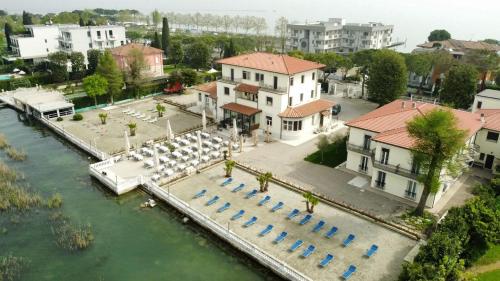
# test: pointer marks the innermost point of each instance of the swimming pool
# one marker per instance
(4, 77)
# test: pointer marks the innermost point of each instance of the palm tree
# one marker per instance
(228, 167)
(132, 126)
(311, 201)
(103, 117)
(262, 182)
(161, 109)
(267, 176)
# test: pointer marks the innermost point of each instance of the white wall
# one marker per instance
(44, 40)
(487, 103)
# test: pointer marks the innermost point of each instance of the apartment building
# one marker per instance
(207, 97)
(380, 147)
(153, 58)
(335, 35)
(276, 93)
(42, 40)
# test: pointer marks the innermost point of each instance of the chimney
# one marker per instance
(403, 105)
(413, 105)
(411, 97)
(482, 118)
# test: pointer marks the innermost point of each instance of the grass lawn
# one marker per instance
(489, 276)
(491, 256)
(334, 155)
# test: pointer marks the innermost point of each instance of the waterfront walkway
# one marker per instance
(385, 265)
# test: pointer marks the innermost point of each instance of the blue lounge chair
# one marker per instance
(226, 182)
(238, 215)
(250, 222)
(264, 200)
(307, 218)
(280, 237)
(349, 272)
(277, 206)
(251, 194)
(224, 207)
(293, 214)
(318, 226)
(370, 252)
(266, 230)
(307, 252)
(348, 240)
(200, 194)
(331, 232)
(326, 260)
(239, 187)
(213, 200)
(296, 245)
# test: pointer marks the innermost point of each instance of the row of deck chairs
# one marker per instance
(139, 115)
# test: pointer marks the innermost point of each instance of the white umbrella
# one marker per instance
(198, 143)
(22, 72)
(212, 70)
(156, 159)
(204, 120)
(127, 144)
(230, 149)
(235, 130)
(170, 134)
(16, 70)
(241, 145)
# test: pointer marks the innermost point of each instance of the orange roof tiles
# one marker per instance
(125, 49)
(283, 64)
(239, 108)
(389, 121)
(462, 45)
(210, 88)
(491, 119)
(307, 109)
(247, 88)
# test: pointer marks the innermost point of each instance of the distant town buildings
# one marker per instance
(41, 40)
(335, 35)
(276, 93)
(153, 58)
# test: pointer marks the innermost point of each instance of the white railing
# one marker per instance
(278, 266)
(118, 185)
(76, 141)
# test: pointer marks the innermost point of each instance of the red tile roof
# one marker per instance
(462, 45)
(125, 49)
(272, 62)
(491, 119)
(243, 109)
(210, 88)
(389, 121)
(307, 109)
(246, 88)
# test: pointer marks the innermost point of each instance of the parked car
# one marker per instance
(336, 109)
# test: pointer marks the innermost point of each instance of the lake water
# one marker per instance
(130, 243)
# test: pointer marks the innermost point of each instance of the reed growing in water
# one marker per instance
(70, 236)
(15, 154)
(11, 267)
(55, 201)
(13, 196)
(3, 142)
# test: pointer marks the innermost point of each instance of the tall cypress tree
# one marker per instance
(27, 18)
(165, 36)
(8, 32)
(156, 41)
(81, 22)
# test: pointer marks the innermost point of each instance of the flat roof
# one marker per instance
(40, 99)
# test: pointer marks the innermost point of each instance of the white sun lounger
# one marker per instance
(148, 163)
(205, 135)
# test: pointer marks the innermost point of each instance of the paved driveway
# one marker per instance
(351, 108)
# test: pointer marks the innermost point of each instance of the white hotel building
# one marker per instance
(380, 147)
(263, 90)
(42, 40)
(335, 35)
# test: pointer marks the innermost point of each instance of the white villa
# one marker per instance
(42, 40)
(271, 92)
(207, 98)
(380, 147)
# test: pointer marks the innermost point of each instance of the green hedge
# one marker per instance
(38, 78)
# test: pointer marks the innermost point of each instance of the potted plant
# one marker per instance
(161, 109)
(228, 167)
(133, 127)
(103, 116)
(311, 201)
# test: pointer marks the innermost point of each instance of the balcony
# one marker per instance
(362, 169)
(380, 184)
(360, 149)
(395, 169)
(262, 85)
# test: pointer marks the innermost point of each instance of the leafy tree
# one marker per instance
(189, 77)
(296, 54)
(497, 78)
(108, 69)
(322, 144)
(176, 53)
(160, 109)
(3, 13)
(388, 76)
(58, 66)
(281, 32)
(331, 60)
(165, 37)
(439, 35)
(8, 32)
(484, 61)
(345, 64)
(198, 55)
(229, 49)
(421, 65)
(156, 41)
(95, 85)
(103, 117)
(137, 64)
(437, 141)
(459, 86)
(93, 60)
(492, 41)
(363, 59)
(81, 22)
(77, 65)
(156, 16)
(27, 20)
(228, 167)
(133, 35)
(132, 127)
(175, 76)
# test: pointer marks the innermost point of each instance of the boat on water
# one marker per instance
(150, 203)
